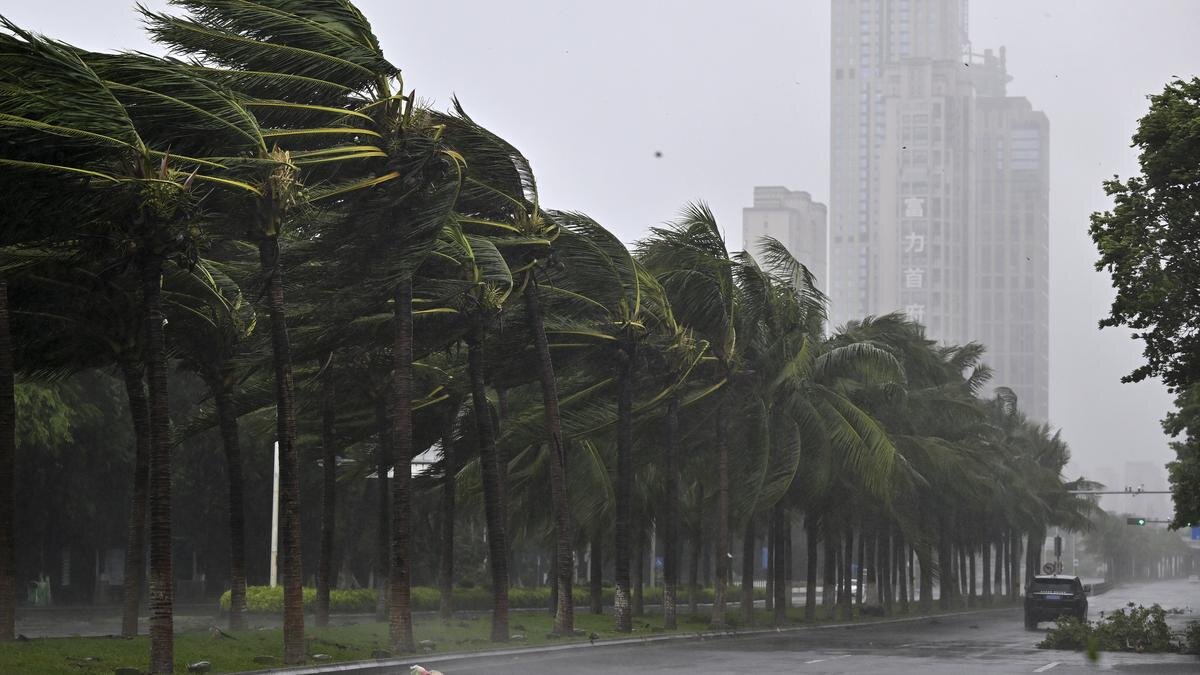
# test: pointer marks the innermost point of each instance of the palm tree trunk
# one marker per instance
(493, 491)
(328, 495)
(1015, 551)
(925, 560)
(971, 597)
(552, 581)
(227, 420)
(946, 574)
(694, 573)
(902, 564)
(748, 573)
(839, 578)
(670, 524)
(502, 461)
(987, 570)
(400, 626)
(721, 546)
(449, 508)
(769, 574)
(829, 578)
(813, 540)
(875, 565)
(564, 614)
(912, 571)
(787, 565)
(595, 572)
(624, 488)
(162, 630)
(383, 502)
(1029, 557)
(639, 573)
(135, 542)
(861, 550)
(895, 555)
(1037, 544)
(887, 570)
(847, 574)
(961, 586)
(1002, 571)
(777, 555)
(289, 457)
(8, 460)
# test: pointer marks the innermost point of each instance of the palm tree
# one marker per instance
(151, 202)
(328, 490)
(692, 263)
(211, 326)
(482, 289)
(296, 64)
(500, 195)
(450, 466)
(616, 306)
(7, 467)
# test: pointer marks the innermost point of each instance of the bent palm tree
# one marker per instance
(104, 118)
(301, 65)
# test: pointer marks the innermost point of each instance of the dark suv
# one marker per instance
(1051, 596)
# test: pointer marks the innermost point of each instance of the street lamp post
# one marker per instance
(275, 518)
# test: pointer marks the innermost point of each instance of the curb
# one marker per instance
(401, 665)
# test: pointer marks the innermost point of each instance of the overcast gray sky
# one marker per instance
(736, 94)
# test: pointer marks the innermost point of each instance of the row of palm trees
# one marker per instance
(278, 214)
(1131, 553)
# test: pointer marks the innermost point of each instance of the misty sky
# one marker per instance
(736, 94)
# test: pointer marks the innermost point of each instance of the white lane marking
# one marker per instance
(1046, 667)
(814, 661)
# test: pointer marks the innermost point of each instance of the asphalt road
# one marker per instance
(992, 641)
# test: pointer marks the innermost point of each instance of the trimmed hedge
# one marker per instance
(267, 600)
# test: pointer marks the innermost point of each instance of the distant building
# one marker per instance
(1009, 297)
(939, 192)
(792, 217)
(899, 177)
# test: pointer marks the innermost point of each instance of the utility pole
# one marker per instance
(275, 518)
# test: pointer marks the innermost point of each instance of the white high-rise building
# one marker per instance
(793, 218)
(935, 170)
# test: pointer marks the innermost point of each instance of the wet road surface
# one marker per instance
(992, 641)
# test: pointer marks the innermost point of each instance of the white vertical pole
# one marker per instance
(275, 518)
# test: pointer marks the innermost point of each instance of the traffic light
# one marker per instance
(1135, 521)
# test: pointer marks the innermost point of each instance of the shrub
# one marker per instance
(1068, 633)
(1134, 629)
(1138, 630)
(267, 600)
(1191, 638)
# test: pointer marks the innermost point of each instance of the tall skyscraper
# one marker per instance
(923, 140)
(1010, 299)
(792, 217)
